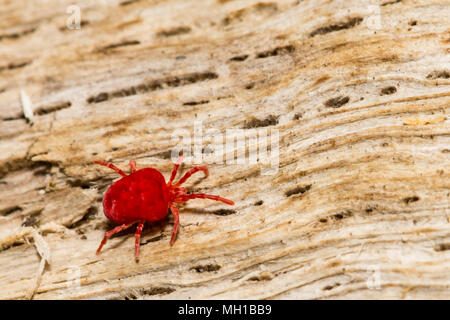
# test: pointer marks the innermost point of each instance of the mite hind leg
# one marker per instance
(176, 222)
(111, 232)
(137, 235)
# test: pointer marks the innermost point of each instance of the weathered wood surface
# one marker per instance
(358, 94)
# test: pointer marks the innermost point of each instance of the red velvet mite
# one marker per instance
(144, 195)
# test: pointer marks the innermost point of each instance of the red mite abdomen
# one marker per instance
(142, 195)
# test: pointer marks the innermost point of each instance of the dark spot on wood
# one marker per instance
(337, 27)
(276, 51)
(264, 276)
(157, 290)
(206, 268)
(174, 31)
(323, 220)
(390, 2)
(124, 92)
(114, 132)
(30, 221)
(10, 210)
(18, 65)
(443, 74)
(343, 214)
(223, 212)
(259, 8)
(411, 199)
(14, 65)
(154, 85)
(330, 287)
(128, 2)
(388, 90)
(233, 17)
(442, 247)
(146, 87)
(14, 244)
(120, 44)
(53, 108)
(337, 102)
(250, 86)
(271, 120)
(154, 239)
(298, 190)
(194, 103)
(239, 58)
(297, 116)
(413, 23)
(189, 79)
(17, 35)
(130, 296)
(263, 6)
(321, 80)
(258, 203)
(98, 98)
(337, 46)
(41, 169)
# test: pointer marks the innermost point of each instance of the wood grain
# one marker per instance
(359, 207)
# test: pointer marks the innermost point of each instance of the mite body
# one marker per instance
(144, 195)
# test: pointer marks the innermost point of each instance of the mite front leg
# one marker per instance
(206, 196)
(111, 166)
(191, 172)
(137, 241)
(176, 222)
(111, 232)
(175, 169)
(133, 166)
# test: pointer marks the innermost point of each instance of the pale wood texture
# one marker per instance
(358, 209)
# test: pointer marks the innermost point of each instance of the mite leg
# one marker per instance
(111, 232)
(111, 166)
(176, 222)
(191, 172)
(137, 242)
(133, 166)
(175, 169)
(207, 196)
